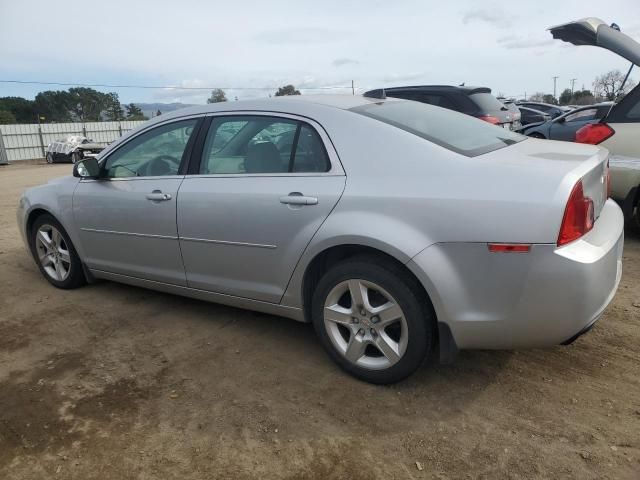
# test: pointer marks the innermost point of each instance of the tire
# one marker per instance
(347, 334)
(536, 135)
(64, 269)
(49, 157)
(634, 221)
(75, 157)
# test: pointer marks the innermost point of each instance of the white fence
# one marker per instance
(28, 141)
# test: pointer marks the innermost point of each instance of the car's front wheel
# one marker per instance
(49, 157)
(373, 319)
(55, 254)
(75, 157)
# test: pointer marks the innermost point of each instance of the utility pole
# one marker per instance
(554, 86)
(353, 89)
(573, 82)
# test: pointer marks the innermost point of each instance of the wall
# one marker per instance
(28, 141)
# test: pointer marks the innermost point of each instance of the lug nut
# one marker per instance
(363, 312)
(373, 332)
(375, 319)
(361, 331)
(355, 320)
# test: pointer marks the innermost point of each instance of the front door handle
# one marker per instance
(158, 196)
(296, 198)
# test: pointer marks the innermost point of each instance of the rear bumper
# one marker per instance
(514, 300)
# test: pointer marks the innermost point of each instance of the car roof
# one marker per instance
(304, 105)
(467, 90)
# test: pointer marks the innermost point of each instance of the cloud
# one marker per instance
(300, 35)
(341, 62)
(513, 42)
(402, 77)
(493, 17)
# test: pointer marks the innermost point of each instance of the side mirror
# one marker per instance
(87, 168)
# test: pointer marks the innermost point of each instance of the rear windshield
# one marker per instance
(452, 130)
(486, 102)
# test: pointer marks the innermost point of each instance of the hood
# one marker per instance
(593, 31)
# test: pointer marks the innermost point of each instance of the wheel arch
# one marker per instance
(329, 256)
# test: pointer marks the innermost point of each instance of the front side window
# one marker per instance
(262, 145)
(452, 130)
(157, 152)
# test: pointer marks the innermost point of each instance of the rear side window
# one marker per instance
(582, 115)
(262, 144)
(452, 130)
(430, 98)
(486, 102)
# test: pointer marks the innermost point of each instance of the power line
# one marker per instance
(168, 87)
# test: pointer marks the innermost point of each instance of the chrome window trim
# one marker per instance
(129, 179)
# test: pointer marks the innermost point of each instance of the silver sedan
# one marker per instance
(393, 226)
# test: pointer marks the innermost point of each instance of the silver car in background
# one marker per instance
(391, 225)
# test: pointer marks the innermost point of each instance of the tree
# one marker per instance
(6, 117)
(217, 96)
(566, 97)
(548, 98)
(537, 97)
(86, 103)
(112, 108)
(54, 105)
(22, 109)
(583, 97)
(134, 112)
(609, 85)
(287, 90)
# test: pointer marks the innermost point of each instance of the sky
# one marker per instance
(244, 46)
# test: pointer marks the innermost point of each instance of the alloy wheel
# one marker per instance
(365, 324)
(53, 252)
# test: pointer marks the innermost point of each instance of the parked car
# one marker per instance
(565, 126)
(619, 130)
(72, 148)
(553, 110)
(529, 116)
(391, 225)
(516, 114)
(475, 101)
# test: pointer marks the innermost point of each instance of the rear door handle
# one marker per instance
(158, 196)
(296, 198)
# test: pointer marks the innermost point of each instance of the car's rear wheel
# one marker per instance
(635, 218)
(372, 319)
(49, 157)
(75, 157)
(55, 254)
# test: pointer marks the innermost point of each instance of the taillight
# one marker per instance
(489, 118)
(578, 216)
(594, 133)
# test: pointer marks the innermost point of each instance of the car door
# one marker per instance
(260, 188)
(566, 126)
(127, 217)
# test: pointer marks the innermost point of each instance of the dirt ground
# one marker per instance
(111, 381)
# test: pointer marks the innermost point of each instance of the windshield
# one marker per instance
(452, 130)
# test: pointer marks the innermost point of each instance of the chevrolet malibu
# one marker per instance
(396, 228)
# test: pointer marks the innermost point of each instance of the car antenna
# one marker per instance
(377, 93)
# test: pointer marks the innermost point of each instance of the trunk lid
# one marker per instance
(555, 167)
(593, 31)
